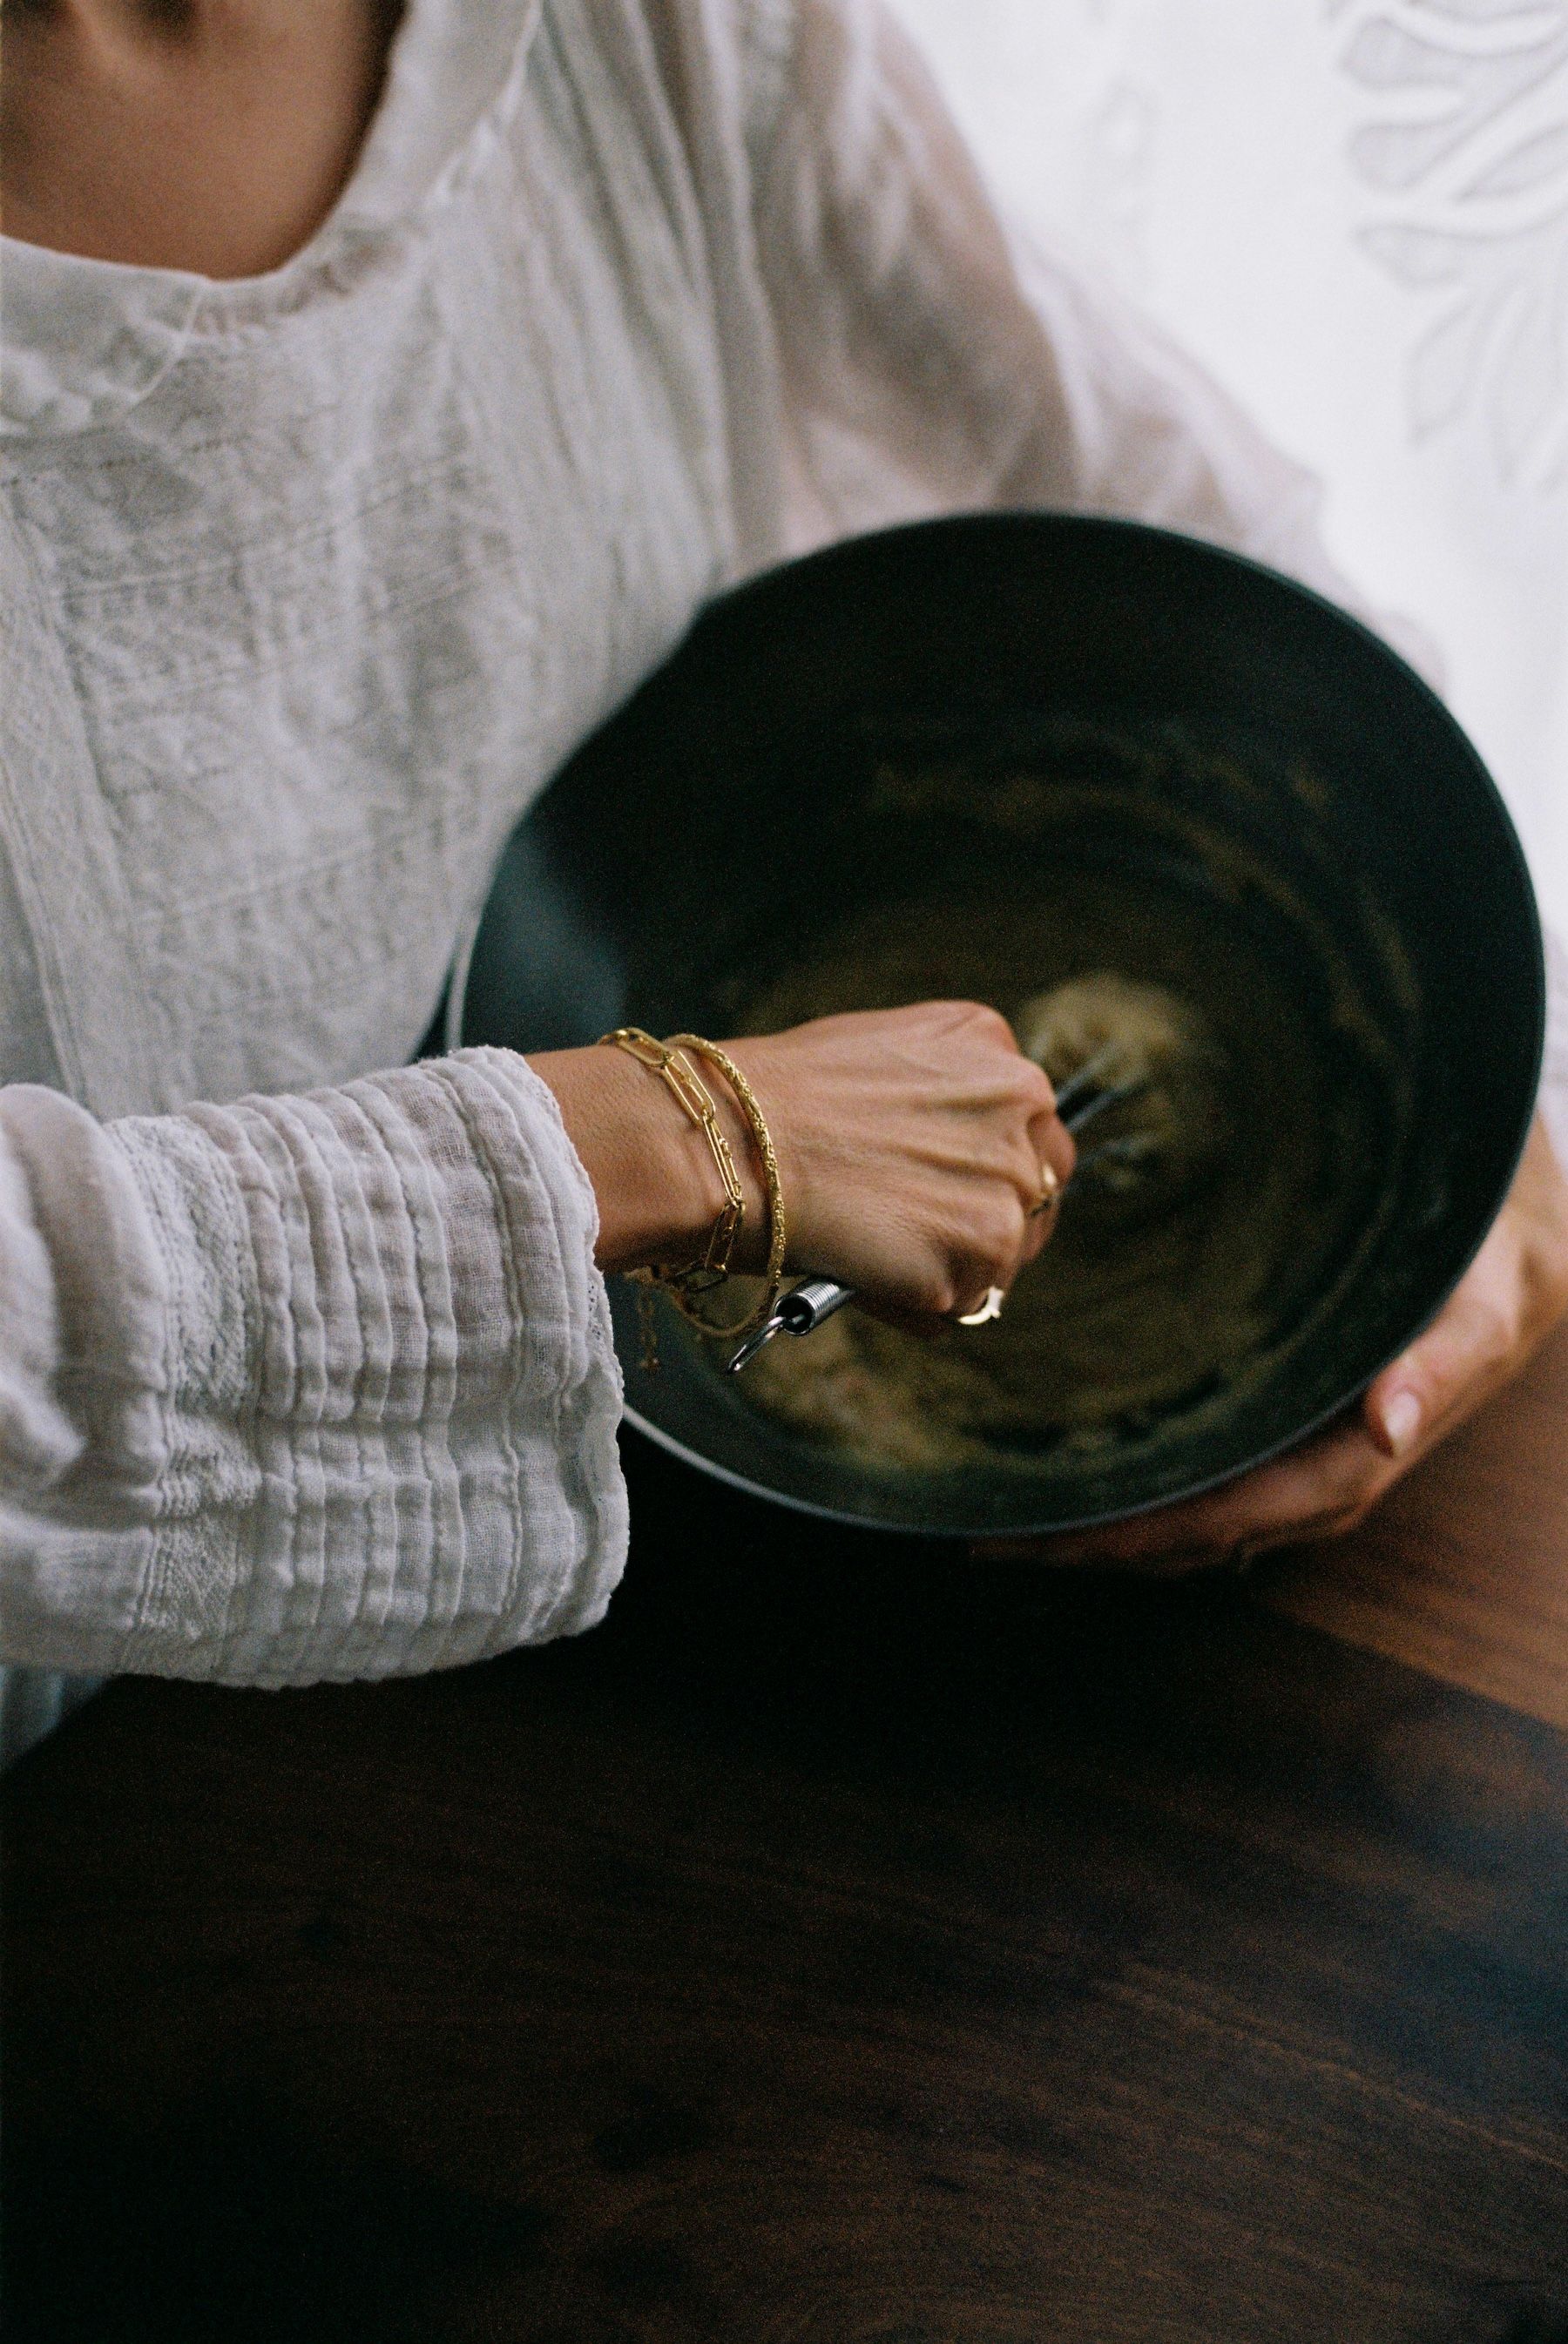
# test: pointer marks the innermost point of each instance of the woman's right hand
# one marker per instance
(909, 1141)
(910, 1146)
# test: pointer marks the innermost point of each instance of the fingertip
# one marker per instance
(1395, 1420)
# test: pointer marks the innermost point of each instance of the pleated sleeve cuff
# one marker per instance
(342, 1372)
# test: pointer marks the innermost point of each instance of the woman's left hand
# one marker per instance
(1508, 1301)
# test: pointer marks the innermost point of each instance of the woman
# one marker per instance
(381, 401)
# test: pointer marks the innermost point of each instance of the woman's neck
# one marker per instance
(212, 136)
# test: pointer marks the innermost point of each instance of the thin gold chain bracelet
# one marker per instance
(763, 1140)
(667, 1060)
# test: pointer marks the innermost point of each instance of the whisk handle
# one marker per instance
(797, 1313)
(805, 1307)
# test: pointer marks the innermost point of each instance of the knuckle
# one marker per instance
(997, 1240)
(1032, 1091)
(990, 1025)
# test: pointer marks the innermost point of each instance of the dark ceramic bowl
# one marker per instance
(994, 708)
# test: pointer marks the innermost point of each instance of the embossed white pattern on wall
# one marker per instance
(1465, 150)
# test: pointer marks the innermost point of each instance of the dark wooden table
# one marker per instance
(845, 1943)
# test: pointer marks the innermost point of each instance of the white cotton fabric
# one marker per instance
(310, 582)
(339, 1368)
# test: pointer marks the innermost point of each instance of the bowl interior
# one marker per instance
(977, 758)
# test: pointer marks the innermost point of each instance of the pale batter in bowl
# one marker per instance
(1225, 1214)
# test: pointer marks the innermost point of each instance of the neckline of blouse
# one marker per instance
(85, 340)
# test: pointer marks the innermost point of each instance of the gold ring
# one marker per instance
(990, 1308)
(1050, 1190)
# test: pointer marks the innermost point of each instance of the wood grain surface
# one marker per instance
(844, 1943)
(1464, 1572)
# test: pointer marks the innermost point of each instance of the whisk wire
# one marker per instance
(1083, 1080)
(1078, 1118)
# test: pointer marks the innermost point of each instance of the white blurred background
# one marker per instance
(1355, 212)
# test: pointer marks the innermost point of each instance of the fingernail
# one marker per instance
(1401, 1422)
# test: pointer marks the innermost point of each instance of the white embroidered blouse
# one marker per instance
(310, 583)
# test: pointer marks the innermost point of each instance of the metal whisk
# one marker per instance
(1080, 1101)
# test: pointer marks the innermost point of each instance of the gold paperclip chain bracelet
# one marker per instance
(668, 1061)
